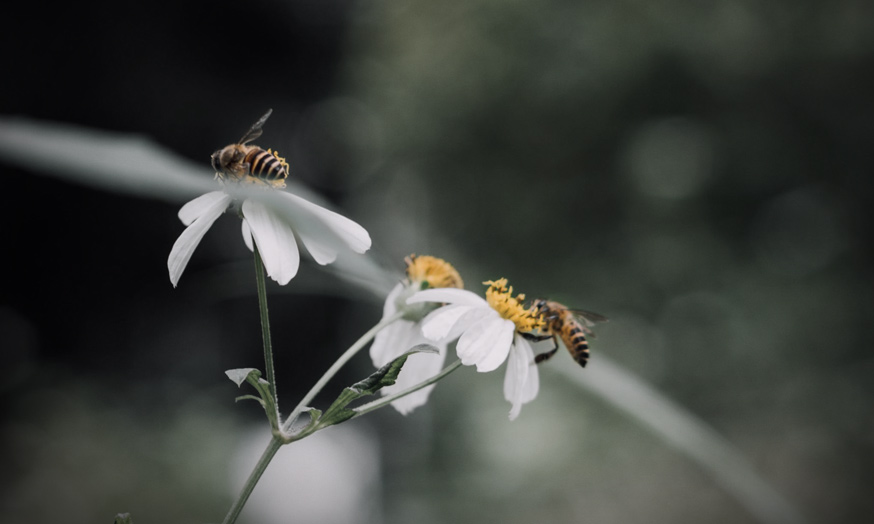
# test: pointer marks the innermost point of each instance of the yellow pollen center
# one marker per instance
(435, 271)
(500, 298)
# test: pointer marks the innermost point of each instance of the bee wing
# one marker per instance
(587, 317)
(255, 131)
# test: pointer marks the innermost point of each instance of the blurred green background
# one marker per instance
(701, 174)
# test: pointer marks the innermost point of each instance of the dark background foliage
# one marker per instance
(700, 174)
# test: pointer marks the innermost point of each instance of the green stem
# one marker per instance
(282, 438)
(388, 399)
(345, 357)
(265, 328)
(262, 464)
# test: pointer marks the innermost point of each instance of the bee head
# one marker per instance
(215, 160)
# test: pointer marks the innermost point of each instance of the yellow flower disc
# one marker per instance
(500, 298)
(435, 271)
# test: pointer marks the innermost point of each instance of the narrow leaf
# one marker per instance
(123, 518)
(313, 413)
(240, 375)
(387, 375)
(384, 376)
(252, 397)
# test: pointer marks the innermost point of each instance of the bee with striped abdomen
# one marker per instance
(569, 325)
(244, 162)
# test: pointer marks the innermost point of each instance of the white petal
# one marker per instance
(522, 381)
(247, 235)
(437, 324)
(447, 295)
(486, 343)
(391, 341)
(187, 242)
(385, 344)
(195, 208)
(418, 368)
(389, 344)
(532, 384)
(275, 241)
(394, 340)
(500, 348)
(321, 252)
(351, 233)
(474, 315)
(391, 301)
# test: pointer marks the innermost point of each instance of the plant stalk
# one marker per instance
(252, 481)
(265, 328)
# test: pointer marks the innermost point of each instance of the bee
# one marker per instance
(244, 162)
(569, 325)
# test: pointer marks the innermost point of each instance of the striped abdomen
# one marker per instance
(573, 335)
(264, 165)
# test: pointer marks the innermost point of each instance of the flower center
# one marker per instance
(500, 298)
(434, 271)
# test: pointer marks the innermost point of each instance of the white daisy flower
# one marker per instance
(423, 272)
(273, 219)
(489, 332)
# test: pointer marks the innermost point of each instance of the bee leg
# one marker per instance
(545, 356)
(548, 355)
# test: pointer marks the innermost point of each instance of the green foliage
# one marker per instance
(385, 376)
(265, 398)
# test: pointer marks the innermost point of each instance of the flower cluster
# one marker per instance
(489, 332)
(430, 306)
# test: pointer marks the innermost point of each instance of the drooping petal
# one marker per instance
(532, 384)
(275, 240)
(195, 208)
(394, 340)
(486, 343)
(418, 368)
(398, 338)
(474, 315)
(438, 323)
(500, 348)
(321, 252)
(391, 301)
(448, 296)
(522, 381)
(187, 242)
(350, 232)
(385, 343)
(247, 235)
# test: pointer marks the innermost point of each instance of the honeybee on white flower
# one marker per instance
(489, 332)
(273, 219)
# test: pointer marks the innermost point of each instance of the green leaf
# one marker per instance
(384, 376)
(123, 518)
(251, 397)
(313, 413)
(240, 375)
(388, 374)
(265, 397)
